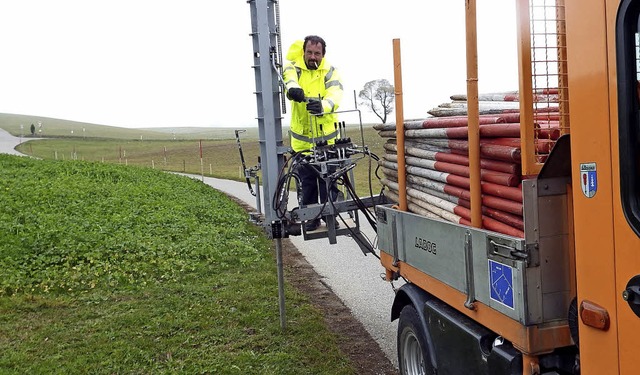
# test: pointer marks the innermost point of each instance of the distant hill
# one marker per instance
(52, 127)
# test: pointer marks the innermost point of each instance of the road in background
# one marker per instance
(8, 143)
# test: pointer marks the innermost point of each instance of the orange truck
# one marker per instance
(559, 294)
(564, 298)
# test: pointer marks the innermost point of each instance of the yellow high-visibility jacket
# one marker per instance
(323, 83)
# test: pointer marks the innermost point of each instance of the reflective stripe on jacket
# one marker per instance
(323, 83)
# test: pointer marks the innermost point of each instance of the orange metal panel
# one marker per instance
(589, 101)
(627, 266)
(627, 243)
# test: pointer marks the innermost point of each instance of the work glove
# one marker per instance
(315, 107)
(296, 94)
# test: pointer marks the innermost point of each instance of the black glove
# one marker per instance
(315, 107)
(296, 94)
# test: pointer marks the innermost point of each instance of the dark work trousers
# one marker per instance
(312, 185)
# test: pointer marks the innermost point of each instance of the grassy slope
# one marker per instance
(52, 127)
(109, 269)
(220, 156)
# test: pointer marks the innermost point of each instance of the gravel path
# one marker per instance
(8, 143)
(355, 278)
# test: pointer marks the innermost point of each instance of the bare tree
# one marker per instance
(378, 96)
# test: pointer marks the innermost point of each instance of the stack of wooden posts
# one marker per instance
(437, 163)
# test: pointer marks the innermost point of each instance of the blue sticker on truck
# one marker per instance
(588, 179)
(501, 278)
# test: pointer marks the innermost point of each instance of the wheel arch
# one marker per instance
(409, 294)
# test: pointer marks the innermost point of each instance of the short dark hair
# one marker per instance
(314, 39)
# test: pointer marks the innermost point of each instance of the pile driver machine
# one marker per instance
(333, 162)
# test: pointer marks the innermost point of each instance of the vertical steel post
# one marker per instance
(265, 37)
(281, 305)
(267, 96)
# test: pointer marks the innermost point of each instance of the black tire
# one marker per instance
(413, 354)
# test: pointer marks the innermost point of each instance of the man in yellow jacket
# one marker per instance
(315, 90)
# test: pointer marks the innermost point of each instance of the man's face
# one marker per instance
(313, 55)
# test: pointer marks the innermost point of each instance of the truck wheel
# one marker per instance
(412, 343)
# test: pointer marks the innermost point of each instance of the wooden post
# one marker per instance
(397, 76)
(473, 114)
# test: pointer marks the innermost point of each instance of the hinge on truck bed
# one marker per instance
(507, 249)
(534, 255)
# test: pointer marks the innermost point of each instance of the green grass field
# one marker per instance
(113, 269)
(111, 266)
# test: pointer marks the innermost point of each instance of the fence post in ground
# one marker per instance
(201, 163)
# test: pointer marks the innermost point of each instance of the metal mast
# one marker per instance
(264, 32)
(265, 41)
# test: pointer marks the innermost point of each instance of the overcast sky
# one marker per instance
(169, 63)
